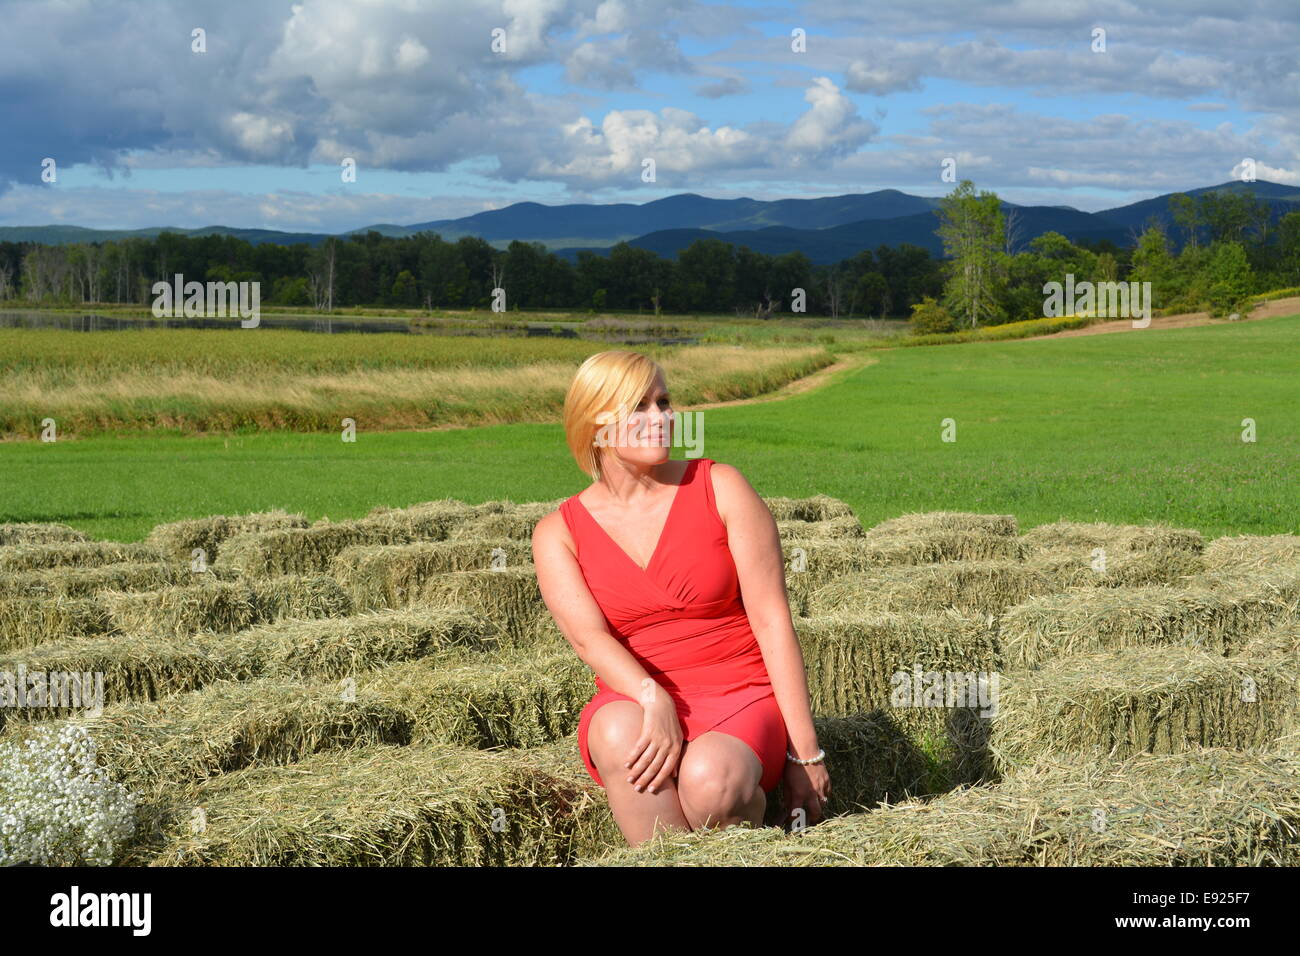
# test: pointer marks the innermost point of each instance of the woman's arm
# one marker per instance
(756, 547)
(580, 618)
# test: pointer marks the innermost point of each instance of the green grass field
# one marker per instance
(1132, 427)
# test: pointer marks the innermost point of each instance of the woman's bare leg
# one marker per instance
(613, 730)
(719, 782)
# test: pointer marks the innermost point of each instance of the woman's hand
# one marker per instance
(807, 788)
(652, 761)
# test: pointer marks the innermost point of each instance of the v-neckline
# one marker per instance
(663, 532)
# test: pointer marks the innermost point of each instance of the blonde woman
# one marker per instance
(667, 578)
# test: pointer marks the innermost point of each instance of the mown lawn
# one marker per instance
(1132, 427)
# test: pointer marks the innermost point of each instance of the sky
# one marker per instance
(451, 107)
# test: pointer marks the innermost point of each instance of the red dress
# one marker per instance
(682, 618)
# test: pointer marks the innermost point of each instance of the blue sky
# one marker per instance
(145, 131)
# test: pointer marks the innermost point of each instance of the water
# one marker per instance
(97, 322)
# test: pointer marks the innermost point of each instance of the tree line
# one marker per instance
(1226, 246)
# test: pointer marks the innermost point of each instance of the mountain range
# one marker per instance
(825, 229)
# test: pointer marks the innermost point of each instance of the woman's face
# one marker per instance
(648, 434)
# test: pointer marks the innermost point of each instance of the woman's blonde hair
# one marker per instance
(614, 382)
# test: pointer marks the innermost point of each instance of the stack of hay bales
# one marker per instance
(1111, 555)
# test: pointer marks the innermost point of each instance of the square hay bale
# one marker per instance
(816, 508)
(418, 805)
(1282, 638)
(31, 621)
(296, 550)
(81, 554)
(12, 533)
(179, 539)
(1247, 553)
(1161, 699)
(1116, 539)
(509, 599)
(940, 522)
(225, 605)
(86, 582)
(931, 547)
(1203, 807)
(1219, 616)
(145, 667)
(930, 675)
(842, 527)
(989, 586)
(1080, 567)
(387, 575)
(133, 667)
(335, 648)
(514, 523)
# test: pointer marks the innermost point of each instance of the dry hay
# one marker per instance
(1249, 552)
(943, 522)
(1161, 699)
(426, 804)
(509, 599)
(390, 575)
(146, 667)
(29, 621)
(515, 523)
(1077, 567)
(1282, 638)
(12, 533)
(86, 582)
(1216, 614)
(81, 554)
(225, 605)
(842, 527)
(179, 539)
(984, 586)
(1203, 807)
(1114, 538)
(816, 508)
(885, 664)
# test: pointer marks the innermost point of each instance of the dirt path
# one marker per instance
(818, 379)
(1264, 310)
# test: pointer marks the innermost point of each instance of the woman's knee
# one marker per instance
(716, 781)
(614, 728)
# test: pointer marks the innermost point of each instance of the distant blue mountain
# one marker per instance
(826, 229)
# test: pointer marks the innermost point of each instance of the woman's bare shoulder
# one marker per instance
(552, 528)
(731, 489)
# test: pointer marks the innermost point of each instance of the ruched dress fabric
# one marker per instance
(683, 619)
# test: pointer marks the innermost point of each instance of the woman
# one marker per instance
(667, 578)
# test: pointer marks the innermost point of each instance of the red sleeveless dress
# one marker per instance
(683, 619)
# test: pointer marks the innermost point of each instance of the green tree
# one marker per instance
(929, 316)
(1230, 278)
(972, 230)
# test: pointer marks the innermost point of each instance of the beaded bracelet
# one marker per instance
(821, 755)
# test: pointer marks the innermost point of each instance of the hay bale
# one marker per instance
(1209, 807)
(149, 666)
(975, 586)
(418, 805)
(86, 582)
(1080, 567)
(1249, 552)
(1281, 638)
(1219, 615)
(1116, 539)
(944, 522)
(225, 605)
(841, 527)
(515, 522)
(509, 599)
(816, 508)
(179, 539)
(885, 663)
(388, 575)
(83, 554)
(31, 621)
(12, 533)
(1161, 699)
